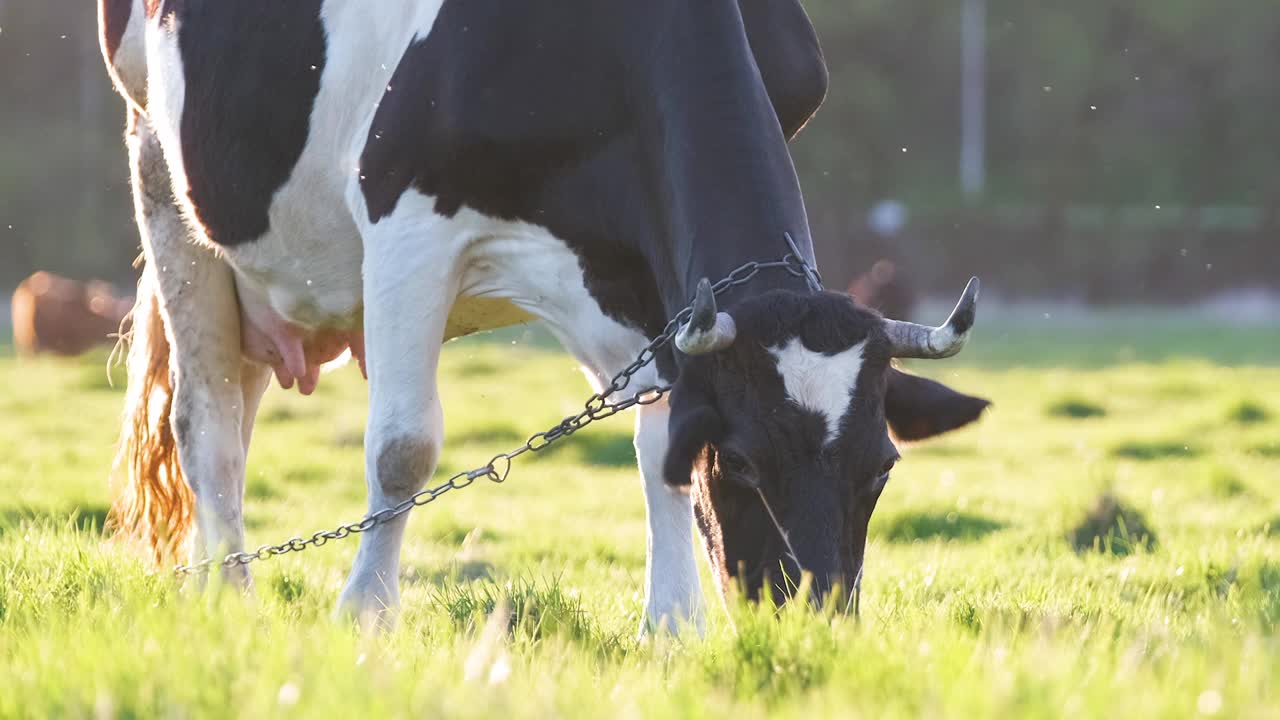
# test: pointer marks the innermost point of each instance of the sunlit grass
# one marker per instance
(523, 600)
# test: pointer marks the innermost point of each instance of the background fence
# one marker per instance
(1094, 254)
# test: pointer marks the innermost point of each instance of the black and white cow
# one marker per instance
(382, 177)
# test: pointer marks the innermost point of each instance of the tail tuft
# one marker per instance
(153, 504)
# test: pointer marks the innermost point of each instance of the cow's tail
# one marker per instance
(153, 503)
(122, 36)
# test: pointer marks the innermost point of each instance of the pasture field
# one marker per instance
(523, 600)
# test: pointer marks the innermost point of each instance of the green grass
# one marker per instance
(1246, 412)
(522, 600)
(1074, 408)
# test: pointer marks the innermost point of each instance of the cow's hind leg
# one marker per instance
(409, 288)
(184, 431)
(673, 594)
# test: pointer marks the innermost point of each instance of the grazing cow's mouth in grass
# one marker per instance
(780, 423)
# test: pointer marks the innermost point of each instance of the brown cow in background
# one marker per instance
(58, 315)
(884, 288)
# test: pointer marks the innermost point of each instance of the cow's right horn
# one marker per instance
(909, 340)
(707, 330)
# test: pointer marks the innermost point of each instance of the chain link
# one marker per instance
(597, 407)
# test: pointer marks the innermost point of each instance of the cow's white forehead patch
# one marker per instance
(821, 383)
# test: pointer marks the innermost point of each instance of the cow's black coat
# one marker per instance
(790, 59)
(640, 133)
(252, 71)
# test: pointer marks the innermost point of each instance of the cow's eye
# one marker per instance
(733, 463)
(736, 467)
(888, 466)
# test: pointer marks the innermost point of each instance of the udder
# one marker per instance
(295, 353)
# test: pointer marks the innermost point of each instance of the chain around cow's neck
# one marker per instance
(597, 407)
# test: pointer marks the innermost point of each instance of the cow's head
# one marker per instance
(780, 419)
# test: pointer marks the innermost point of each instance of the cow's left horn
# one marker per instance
(909, 340)
(707, 330)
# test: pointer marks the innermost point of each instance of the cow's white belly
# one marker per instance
(493, 273)
(496, 273)
(477, 314)
(334, 302)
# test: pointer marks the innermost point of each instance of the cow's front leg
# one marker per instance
(408, 292)
(191, 292)
(673, 593)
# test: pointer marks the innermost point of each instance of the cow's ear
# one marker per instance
(694, 424)
(919, 408)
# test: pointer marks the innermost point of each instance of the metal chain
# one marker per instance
(597, 407)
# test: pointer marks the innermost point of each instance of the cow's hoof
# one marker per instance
(367, 611)
(668, 625)
(236, 578)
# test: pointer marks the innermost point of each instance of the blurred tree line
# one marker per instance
(1091, 101)
(64, 183)
(1092, 106)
